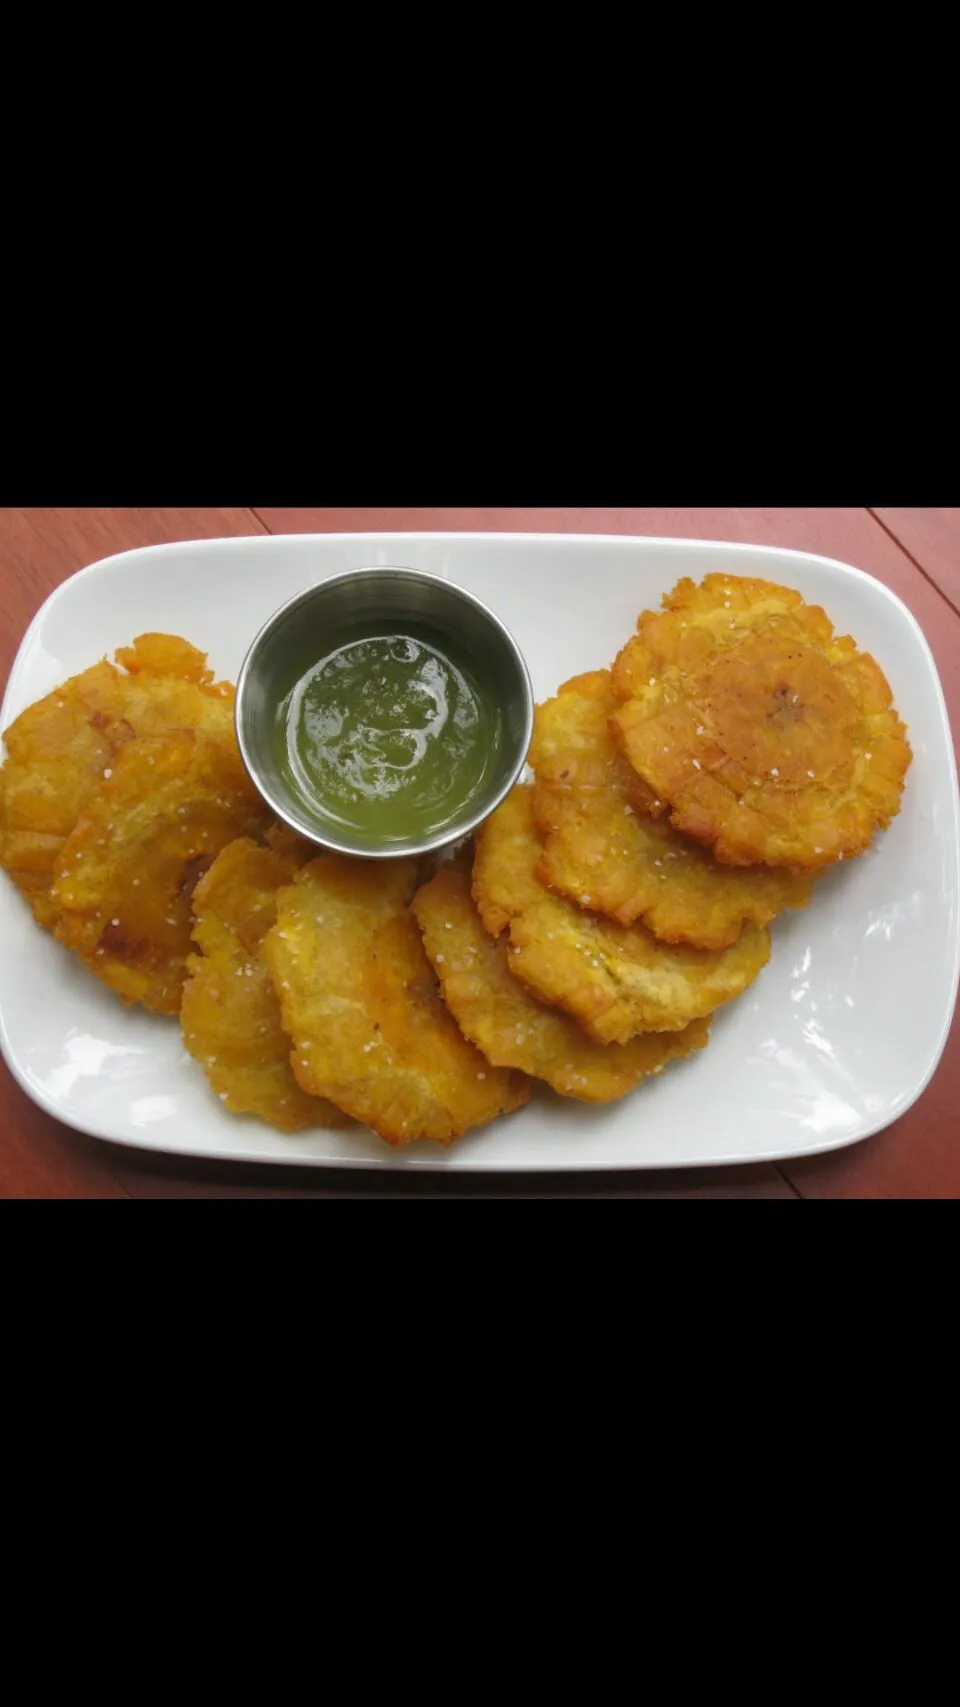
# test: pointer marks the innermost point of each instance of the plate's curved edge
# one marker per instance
(445, 1164)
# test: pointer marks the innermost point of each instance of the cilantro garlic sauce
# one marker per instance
(389, 736)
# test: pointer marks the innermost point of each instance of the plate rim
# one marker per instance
(436, 1161)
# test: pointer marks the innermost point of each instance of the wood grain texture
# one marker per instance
(920, 1156)
(932, 539)
(41, 1158)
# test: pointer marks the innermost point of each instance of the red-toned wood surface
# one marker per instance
(932, 539)
(919, 1156)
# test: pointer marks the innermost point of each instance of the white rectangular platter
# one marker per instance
(839, 1035)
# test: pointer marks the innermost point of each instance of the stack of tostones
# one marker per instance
(602, 851)
(60, 750)
(124, 881)
(511, 1026)
(681, 800)
(617, 980)
(361, 1002)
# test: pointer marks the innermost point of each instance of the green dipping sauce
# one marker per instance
(390, 737)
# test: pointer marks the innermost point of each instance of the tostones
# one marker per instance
(602, 853)
(124, 880)
(767, 737)
(361, 1003)
(230, 1015)
(616, 981)
(511, 1027)
(61, 746)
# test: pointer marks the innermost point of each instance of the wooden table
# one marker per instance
(916, 552)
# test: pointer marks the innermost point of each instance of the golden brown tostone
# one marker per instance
(605, 854)
(765, 735)
(615, 981)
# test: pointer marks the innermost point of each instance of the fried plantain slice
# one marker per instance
(230, 1015)
(768, 737)
(125, 877)
(615, 981)
(360, 999)
(603, 854)
(497, 1013)
(170, 655)
(60, 746)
